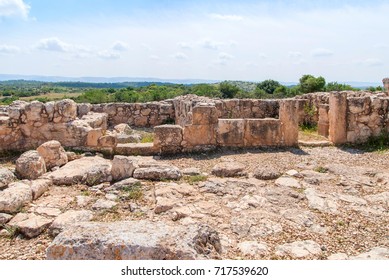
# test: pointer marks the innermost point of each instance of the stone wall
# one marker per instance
(225, 108)
(134, 114)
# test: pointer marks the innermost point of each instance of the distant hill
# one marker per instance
(56, 79)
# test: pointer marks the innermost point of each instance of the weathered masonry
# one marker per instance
(192, 123)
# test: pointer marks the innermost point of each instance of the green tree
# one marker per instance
(228, 90)
(309, 83)
(269, 86)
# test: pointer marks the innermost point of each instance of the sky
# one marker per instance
(249, 40)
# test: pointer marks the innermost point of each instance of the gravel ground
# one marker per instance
(285, 216)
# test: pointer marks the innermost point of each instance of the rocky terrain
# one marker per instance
(307, 203)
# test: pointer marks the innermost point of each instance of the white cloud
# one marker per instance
(120, 46)
(108, 55)
(7, 49)
(154, 57)
(294, 54)
(226, 17)
(223, 58)
(372, 62)
(262, 55)
(14, 9)
(54, 44)
(180, 56)
(210, 44)
(184, 45)
(321, 52)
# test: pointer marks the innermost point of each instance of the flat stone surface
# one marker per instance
(14, 197)
(320, 202)
(69, 218)
(338, 257)
(377, 253)
(158, 173)
(103, 204)
(30, 225)
(229, 169)
(6, 177)
(87, 170)
(39, 187)
(30, 165)
(5, 218)
(191, 171)
(252, 248)
(127, 183)
(299, 249)
(266, 173)
(287, 182)
(127, 240)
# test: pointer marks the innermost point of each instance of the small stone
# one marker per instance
(191, 171)
(377, 253)
(338, 257)
(158, 173)
(266, 173)
(14, 197)
(287, 182)
(293, 173)
(111, 196)
(83, 200)
(39, 187)
(299, 249)
(69, 218)
(53, 154)
(127, 183)
(122, 167)
(6, 177)
(229, 169)
(103, 204)
(30, 225)
(252, 248)
(5, 218)
(30, 165)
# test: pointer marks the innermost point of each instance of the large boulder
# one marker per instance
(131, 240)
(158, 172)
(122, 167)
(69, 218)
(6, 177)
(87, 170)
(15, 197)
(53, 154)
(229, 169)
(31, 225)
(30, 165)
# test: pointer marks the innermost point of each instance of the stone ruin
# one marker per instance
(386, 84)
(191, 123)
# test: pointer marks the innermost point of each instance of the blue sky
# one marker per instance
(240, 40)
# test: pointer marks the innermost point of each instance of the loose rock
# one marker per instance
(30, 165)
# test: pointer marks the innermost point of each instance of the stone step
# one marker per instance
(322, 143)
(136, 149)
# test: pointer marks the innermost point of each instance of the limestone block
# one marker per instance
(195, 135)
(338, 117)
(262, 132)
(96, 120)
(93, 137)
(34, 111)
(230, 132)
(168, 138)
(30, 165)
(122, 167)
(123, 128)
(67, 109)
(109, 141)
(53, 154)
(14, 197)
(204, 115)
(83, 109)
(289, 121)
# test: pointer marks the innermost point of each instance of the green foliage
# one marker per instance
(134, 192)
(309, 83)
(147, 138)
(228, 90)
(321, 169)
(374, 89)
(334, 86)
(195, 179)
(205, 90)
(269, 86)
